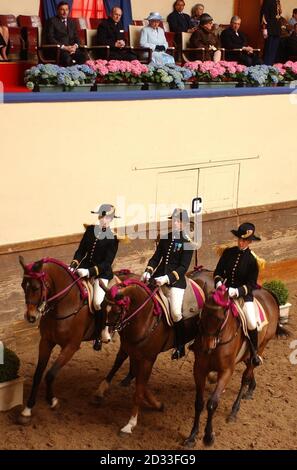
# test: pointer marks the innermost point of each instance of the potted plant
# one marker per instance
(288, 72)
(210, 74)
(262, 75)
(11, 385)
(118, 75)
(280, 291)
(52, 78)
(168, 76)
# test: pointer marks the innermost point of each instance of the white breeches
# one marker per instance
(99, 293)
(250, 315)
(176, 296)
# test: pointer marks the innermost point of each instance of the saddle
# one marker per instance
(193, 301)
(261, 319)
(89, 286)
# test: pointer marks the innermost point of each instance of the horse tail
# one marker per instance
(281, 331)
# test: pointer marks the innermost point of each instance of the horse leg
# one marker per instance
(45, 349)
(212, 404)
(143, 372)
(200, 379)
(105, 383)
(65, 355)
(153, 401)
(126, 382)
(247, 377)
(252, 385)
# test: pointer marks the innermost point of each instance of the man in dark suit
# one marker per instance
(62, 30)
(232, 38)
(270, 19)
(111, 33)
(179, 22)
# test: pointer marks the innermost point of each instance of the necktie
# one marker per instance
(65, 23)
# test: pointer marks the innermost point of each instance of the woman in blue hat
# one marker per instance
(94, 258)
(238, 269)
(168, 266)
(153, 36)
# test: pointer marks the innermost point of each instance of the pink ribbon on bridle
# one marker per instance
(219, 296)
(122, 302)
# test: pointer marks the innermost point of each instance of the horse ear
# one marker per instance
(22, 262)
(37, 266)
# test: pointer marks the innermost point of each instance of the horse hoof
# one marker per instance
(189, 443)
(126, 382)
(124, 434)
(208, 440)
(23, 420)
(162, 408)
(54, 403)
(96, 400)
(247, 396)
(231, 418)
(212, 377)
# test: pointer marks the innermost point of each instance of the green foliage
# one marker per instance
(9, 370)
(279, 289)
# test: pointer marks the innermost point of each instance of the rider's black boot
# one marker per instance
(179, 329)
(255, 359)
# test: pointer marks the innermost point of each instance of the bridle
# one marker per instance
(42, 304)
(228, 307)
(123, 302)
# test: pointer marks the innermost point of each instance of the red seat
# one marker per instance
(94, 22)
(17, 45)
(30, 25)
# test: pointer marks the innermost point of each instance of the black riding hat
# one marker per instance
(105, 209)
(246, 231)
(180, 214)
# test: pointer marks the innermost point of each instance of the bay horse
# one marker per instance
(219, 347)
(52, 293)
(131, 310)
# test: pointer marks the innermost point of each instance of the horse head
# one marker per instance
(114, 307)
(33, 285)
(213, 318)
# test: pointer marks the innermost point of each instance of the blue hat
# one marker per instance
(154, 16)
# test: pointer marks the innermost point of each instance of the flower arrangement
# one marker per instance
(50, 74)
(262, 75)
(288, 71)
(222, 71)
(118, 71)
(171, 75)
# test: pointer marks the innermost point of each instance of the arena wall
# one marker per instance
(61, 159)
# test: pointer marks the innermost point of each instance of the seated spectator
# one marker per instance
(153, 36)
(196, 12)
(293, 20)
(111, 33)
(232, 38)
(291, 49)
(62, 30)
(4, 42)
(205, 37)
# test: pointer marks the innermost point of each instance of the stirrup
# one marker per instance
(97, 344)
(178, 353)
